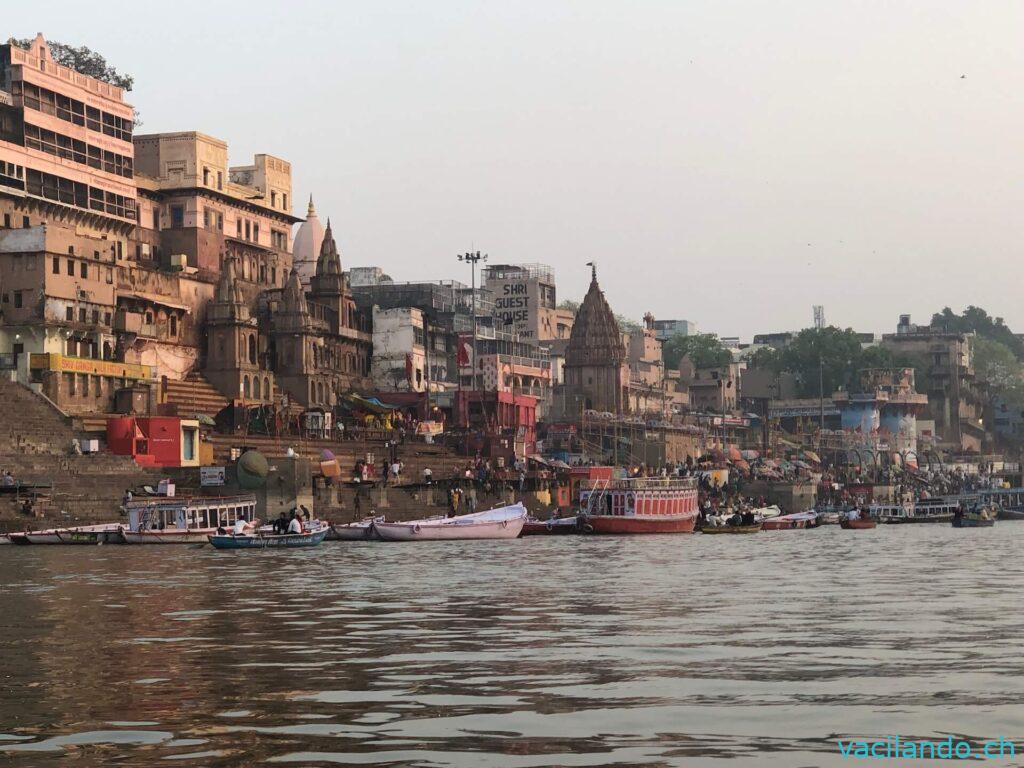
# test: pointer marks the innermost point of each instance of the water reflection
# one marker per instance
(659, 651)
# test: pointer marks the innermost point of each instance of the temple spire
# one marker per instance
(311, 211)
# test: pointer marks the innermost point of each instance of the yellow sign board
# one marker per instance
(63, 363)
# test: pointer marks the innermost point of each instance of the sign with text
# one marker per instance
(210, 476)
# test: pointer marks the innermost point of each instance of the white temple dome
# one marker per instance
(307, 243)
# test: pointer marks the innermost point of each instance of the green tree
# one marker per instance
(977, 320)
(831, 355)
(703, 349)
(996, 364)
(85, 60)
(767, 358)
(572, 306)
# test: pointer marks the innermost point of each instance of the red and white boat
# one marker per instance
(639, 505)
(184, 520)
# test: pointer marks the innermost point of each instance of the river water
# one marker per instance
(655, 651)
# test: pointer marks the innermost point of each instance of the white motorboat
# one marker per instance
(184, 520)
(500, 523)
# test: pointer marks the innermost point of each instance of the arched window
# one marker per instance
(266, 388)
(107, 351)
(252, 349)
(312, 391)
(241, 348)
(174, 325)
(256, 387)
(245, 387)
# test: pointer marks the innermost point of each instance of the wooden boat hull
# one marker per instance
(857, 525)
(43, 537)
(633, 525)
(18, 538)
(353, 532)
(194, 536)
(962, 523)
(93, 535)
(919, 520)
(505, 529)
(1011, 514)
(776, 524)
(560, 527)
(716, 529)
(269, 541)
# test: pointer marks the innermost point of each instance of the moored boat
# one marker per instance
(858, 523)
(18, 538)
(270, 540)
(639, 505)
(362, 530)
(4, 539)
(558, 526)
(49, 536)
(500, 523)
(791, 522)
(981, 516)
(108, 533)
(732, 528)
(184, 520)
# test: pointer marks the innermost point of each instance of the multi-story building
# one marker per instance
(956, 399)
(524, 300)
(666, 329)
(128, 259)
(67, 183)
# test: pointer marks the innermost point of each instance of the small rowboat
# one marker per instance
(555, 527)
(51, 536)
(857, 524)
(732, 528)
(501, 523)
(362, 530)
(270, 540)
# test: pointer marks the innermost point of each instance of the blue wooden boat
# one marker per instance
(270, 540)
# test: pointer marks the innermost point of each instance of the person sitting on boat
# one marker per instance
(853, 514)
(8, 481)
(735, 519)
(239, 529)
(748, 518)
(295, 524)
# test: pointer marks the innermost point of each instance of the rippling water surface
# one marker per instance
(673, 650)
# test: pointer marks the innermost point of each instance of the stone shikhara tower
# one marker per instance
(595, 358)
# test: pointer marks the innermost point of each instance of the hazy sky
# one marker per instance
(730, 163)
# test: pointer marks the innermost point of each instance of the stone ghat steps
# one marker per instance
(85, 469)
(30, 424)
(194, 395)
(415, 456)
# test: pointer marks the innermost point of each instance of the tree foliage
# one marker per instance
(85, 60)
(977, 320)
(703, 349)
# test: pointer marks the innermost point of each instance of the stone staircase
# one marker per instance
(35, 447)
(193, 395)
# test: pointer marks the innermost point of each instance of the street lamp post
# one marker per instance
(472, 259)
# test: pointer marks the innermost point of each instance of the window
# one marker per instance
(71, 268)
(177, 216)
(220, 180)
(7, 221)
(83, 268)
(96, 317)
(273, 199)
(206, 177)
(17, 299)
(69, 314)
(174, 325)
(256, 387)
(248, 230)
(245, 387)
(81, 314)
(284, 201)
(256, 232)
(238, 227)
(56, 265)
(252, 350)
(24, 222)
